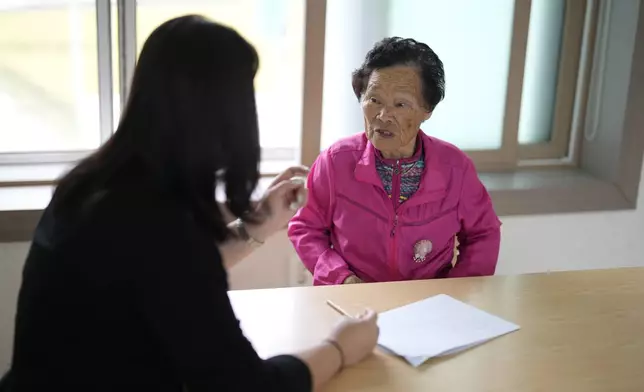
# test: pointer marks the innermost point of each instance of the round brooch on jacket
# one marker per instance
(421, 250)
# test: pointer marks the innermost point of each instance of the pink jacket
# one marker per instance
(349, 225)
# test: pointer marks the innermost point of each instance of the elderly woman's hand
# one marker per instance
(276, 208)
(352, 280)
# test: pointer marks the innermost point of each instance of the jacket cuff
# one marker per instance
(336, 278)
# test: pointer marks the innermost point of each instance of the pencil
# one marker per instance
(337, 308)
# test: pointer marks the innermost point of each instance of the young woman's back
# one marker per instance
(103, 305)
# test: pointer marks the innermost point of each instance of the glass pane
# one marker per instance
(116, 69)
(541, 70)
(276, 29)
(352, 27)
(48, 76)
(473, 39)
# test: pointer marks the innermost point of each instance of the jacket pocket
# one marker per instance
(427, 245)
(431, 219)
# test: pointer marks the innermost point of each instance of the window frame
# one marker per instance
(314, 37)
(512, 155)
(103, 11)
(125, 11)
(104, 56)
(506, 158)
(570, 64)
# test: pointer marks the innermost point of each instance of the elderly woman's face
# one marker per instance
(393, 108)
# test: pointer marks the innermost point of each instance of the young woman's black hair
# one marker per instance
(190, 123)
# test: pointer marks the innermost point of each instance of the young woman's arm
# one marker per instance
(274, 214)
(245, 240)
(182, 290)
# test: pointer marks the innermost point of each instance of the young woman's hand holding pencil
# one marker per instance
(355, 337)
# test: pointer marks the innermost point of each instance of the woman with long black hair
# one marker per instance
(125, 285)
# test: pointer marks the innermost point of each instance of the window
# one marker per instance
(48, 76)
(57, 86)
(541, 70)
(473, 40)
(527, 93)
(510, 95)
(276, 29)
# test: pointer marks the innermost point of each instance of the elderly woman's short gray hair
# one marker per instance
(404, 51)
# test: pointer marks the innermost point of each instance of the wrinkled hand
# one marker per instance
(275, 206)
(352, 280)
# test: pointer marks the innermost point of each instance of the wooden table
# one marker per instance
(580, 331)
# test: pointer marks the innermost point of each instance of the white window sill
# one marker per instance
(519, 193)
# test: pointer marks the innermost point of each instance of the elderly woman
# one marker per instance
(390, 203)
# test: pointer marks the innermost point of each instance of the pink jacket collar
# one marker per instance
(433, 183)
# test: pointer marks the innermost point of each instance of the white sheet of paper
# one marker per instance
(436, 326)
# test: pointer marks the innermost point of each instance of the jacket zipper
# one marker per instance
(395, 201)
(395, 186)
(394, 226)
